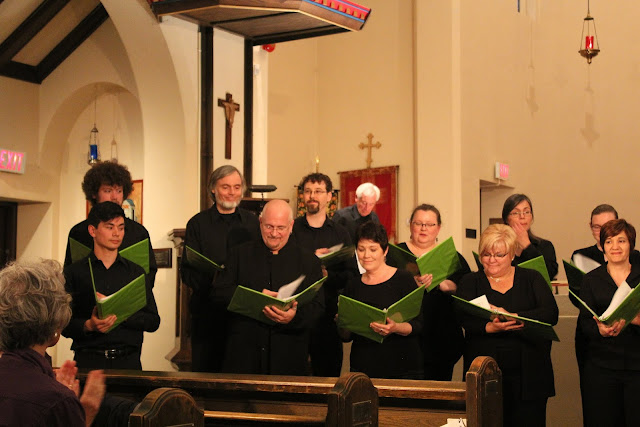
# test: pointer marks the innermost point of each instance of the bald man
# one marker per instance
(265, 265)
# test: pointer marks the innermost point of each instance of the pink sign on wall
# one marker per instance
(12, 161)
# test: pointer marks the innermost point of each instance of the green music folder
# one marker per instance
(622, 307)
(533, 264)
(78, 250)
(250, 303)
(337, 255)
(442, 261)
(123, 303)
(531, 326)
(137, 253)
(574, 276)
(356, 316)
(200, 262)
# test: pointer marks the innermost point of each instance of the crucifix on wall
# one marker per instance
(369, 145)
(230, 109)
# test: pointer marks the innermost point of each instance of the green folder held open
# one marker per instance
(531, 326)
(123, 303)
(200, 262)
(627, 307)
(137, 253)
(536, 264)
(442, 261)
(356, 316)
(574, 276)
(250, 303)
(337, 255)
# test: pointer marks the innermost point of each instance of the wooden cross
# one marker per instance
(369, 145)
(230, 109)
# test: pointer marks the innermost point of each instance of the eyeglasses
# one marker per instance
(315, 192)
(494, 256)
(517, 214)
(422, 225)
(278, 228)
(596, 227)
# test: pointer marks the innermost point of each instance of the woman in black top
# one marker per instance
(525, 361)
(442, 339)
(399, 355)
(611, 377)
(517, 212)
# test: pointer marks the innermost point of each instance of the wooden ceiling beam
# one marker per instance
(19, 71)
(29, 28)
(72, 41)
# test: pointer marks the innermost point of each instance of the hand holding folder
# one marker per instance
(625, 305)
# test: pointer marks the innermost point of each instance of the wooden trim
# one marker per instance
(248, 115)
(19, 71)
(22, 35)
(206, 114)
(297, 35)
(72, 41)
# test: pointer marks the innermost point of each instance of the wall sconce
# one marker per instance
(589, 37)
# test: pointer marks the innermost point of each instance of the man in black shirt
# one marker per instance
(317, 233)
(213, 233)
(280, 348)
(109, 181)
(95, 346)
(367, 195)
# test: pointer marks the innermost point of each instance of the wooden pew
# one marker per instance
(249, 399)
(167, 406)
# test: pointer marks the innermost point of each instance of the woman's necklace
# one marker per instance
(496, 279)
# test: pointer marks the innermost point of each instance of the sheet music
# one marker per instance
(287, 290)
(585, 263)
(623, 290)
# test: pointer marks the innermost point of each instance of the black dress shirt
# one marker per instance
(134, 232)
(253, 346)
(30, 395)
(519, 356)
(539, 247)
(619, 352)
(107, 281)
(351, 219)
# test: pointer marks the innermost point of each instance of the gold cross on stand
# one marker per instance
(369, 145)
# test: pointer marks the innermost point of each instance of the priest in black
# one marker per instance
(110, 182)
(213, 233)
(95, 346)
(316, 232)
(281, 348)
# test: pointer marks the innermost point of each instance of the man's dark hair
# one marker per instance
(106, 173)
(373, 231)
(603, 208)
(317, 177)
(103, 212)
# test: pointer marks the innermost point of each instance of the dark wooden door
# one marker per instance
(8, 227)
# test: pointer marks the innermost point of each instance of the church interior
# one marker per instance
(448, 88)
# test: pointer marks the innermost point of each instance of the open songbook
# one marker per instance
(480, 307)
(200, 262)
(584, 263)
(356, 316)
(137, 253)
(337, 254)
(536, 264)
(574, 276)
(122, 303)
(250, 303)
(442, 261)
(625, 304)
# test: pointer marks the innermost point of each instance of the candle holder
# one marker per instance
(589, 37)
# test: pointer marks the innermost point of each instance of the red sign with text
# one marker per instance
(12, 161)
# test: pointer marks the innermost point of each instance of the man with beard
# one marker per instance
(367, 195)
(212, 233)
(282, 346)
(317, 233)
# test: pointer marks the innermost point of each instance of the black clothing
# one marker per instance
(351, 219)
(30, 395)
(254, 347)
(127, 334)
(442, 339)
(397, 356)
(212, 234)
(525, 362)
(621, 352)
(539, 247)
(326, 345)
(133, 233)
